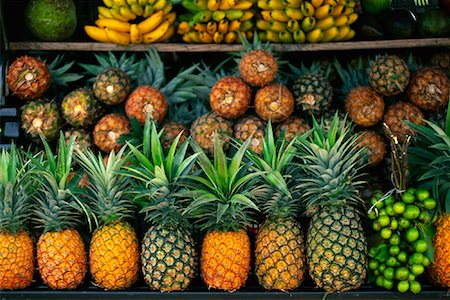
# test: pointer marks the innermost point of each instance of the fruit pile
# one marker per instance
(153, 22)
(216, 21)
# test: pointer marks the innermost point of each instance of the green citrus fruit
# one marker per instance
(391, 261)
(420, 246)
(411, 212)
(376, 226)
(386, 233)
(429, 203)
(394, 250)
(394, 224)
(403, 223)
(422, 194)
(426, 262)
(401, 273)
(379, 281)
(425, 217)
(381, 268)
(412, 234)
(417, 270)
(373, 264)
(399, 207)
(389, 273)
(402, 286)
(402, 256)
(390, 210)
(372, 215)
(408, 198)
(388, 284)
(417, 259)
(384, 221)
(415, 287)
(394, 240)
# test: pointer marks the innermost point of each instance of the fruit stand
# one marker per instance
(123, 69)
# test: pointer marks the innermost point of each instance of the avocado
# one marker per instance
(399, 23)
(434, 23)
(51, 20)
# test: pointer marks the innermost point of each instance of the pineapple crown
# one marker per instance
(314, 68)
(15, 191)
(56, 206)
(331, 164)
(106, 191)
(277, 191)
(59, 71)
(156, 178)
(221, 198)
(352, 76)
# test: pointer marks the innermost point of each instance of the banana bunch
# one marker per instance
(300, 21)
(127, 22)
(217, 21)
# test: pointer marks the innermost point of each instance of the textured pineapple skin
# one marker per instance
(108, 130)
(389, 75)
(80, 108)
(39, 117)
(364, 106)
(375, 145)
(294, 126)
(204, 128)
(429, 89)
(114, 256)
(397, 113)
(251, 126)
(171, 131)
(225, 259)
(168, 259)
(280, 255)
(16, 260)
(112, 86)
(83, 138)
(258, 67)
(62, 259)
(313, 93)
(146, 100)
(440, 270)
(230, 97)
(336, 250)
(274, 102)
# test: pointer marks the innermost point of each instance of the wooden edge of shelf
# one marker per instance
(176, 47)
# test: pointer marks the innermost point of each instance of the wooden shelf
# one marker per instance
(172, 47)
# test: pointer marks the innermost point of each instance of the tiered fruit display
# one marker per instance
(133, 22)
(310, 21)
(217, 21)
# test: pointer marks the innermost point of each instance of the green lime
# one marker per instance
(422, 194)
(372, 215)
(376, 203)
(389, 200)
(420, 246)
(403, 223)
(429, 203)
(386, 233)
(426, 262)
(414, 287)
(394, 224)
(394, 250)
(376, 272)
(388, 284)
(411, 212)
(411, 190)
(379, 281)
(411, 277)
(373, 251)
(394, 240)
(425, 217)
(402, 256)
(399, 207)
(416, 258)
(381, 267)
(390, 210)
(391, 261)
(384, 221)
(376, 226)
(417, 269)
(376, 6)
(408, 198)
(402, 286)
(373, 264)
(401, 273)
(389, 273)
(412, 234)
(382, 212)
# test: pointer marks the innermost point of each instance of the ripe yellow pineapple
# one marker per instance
(16, 246)
(230, 97)
(274, 102)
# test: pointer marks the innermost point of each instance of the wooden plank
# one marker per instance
(173, 47)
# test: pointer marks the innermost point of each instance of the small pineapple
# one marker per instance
(80, 108)
(83, 138)
(364, 106)
(441, 60)
(28, 77)
(251, 126)
(112, 86)
(274, 102)
(389, 75)
(375, 145)
(40, 117)
(113, 251)
(170, 132)
(429, 89)
(61, 253)
(230, 97)
(108, 130)
(146, 100)
(292, 127)
(206, 127)
(399, 112)
(16, 245)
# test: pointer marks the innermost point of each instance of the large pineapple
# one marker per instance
(251, 126)
(170, 132)
(441, 60)
(80, 108)
(113, 251)
(336, 247)
(40, 117)
(61, 253)
(112, 86)
(146, 100)
(16, 245)
(221, 205)
(206, 127)
(108, 130)
(292, 127)
(364, 106)
(374, 145)
(429, 89)
(280, 247)
(389, 75)
(397, 114)
(168, 255)
(230, 97)
(274, 102)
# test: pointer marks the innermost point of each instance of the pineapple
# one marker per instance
(206, 127)
(280, 247)
(170, 132)
(274, 102)
(336, 248)
(399, 112)
(364, 106)
(113, 251)
(251, 126)
(222, 205)
(83, 138)
(168, 255)
(429, 89)
(61, 254)
(40, 117)
(312, 89)
(441, 60)
(108, 130)
(230, 97)
(292, 127)
(112, 86)
(146, 100)
(375, 146)
(28, 77)
(16, 245)
(80, 108)
(389, 75)
(438, 117)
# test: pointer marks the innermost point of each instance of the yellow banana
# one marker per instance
(266, 15)
(263, 25)
(227, 4)
(343, 31)
(205, 37)
(341, 20)
(183, 28)
(352, 18)
(307, 9)
(317, 3)
(337, 10)
(314, 36)
(187, 39)
(200, 27)
(262, 36)
(194, 36)
(218, 15)
(142, 2)
(299, 36)
(278, 26)
(108, 3)
(294, 13)
(132, 2)
(234, 14)
(270, 4)
(223, 26)
(126, 12)
(120, 2)
(213, 4)
(243, 5)
(169, 33)
(115, 12)
(160, 4)
(279, 15)
(168, 8)
(97, 34)
(348, 3)
(113, 24)
(171, 17)
(272, 36)
(100, 16)
(330, 34)
(293, 3)
(248, 14)
(325, 23)
(293, 26)
(249, 35)
(105, 12)
(137, 9)
(234, 25)
(120, 38)
(218, 37)
(151, 22)
(331, 2)
(135, 34)
(211, 27)
(285, 37)
(148, 11)
(247, 26)
(323, 11)
(308, 24)
(350, 35)
(348, 10)
(230, 37)
(156, 34)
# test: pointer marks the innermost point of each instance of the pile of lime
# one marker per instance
(401, 256)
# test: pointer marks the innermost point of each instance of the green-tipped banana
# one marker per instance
(285, 37)
(194, 5)
(202, 17)
(234, 14)
(218, 15)
(308, 24)
(299, 36)
(247, 26)
(137, 9)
